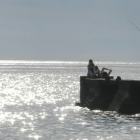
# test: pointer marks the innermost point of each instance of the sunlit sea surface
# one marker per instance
(37, 102)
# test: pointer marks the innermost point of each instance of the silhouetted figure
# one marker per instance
(91, 69)
(103, 72)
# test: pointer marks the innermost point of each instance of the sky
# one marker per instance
(70, 30)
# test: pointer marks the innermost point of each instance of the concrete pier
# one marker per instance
(122, 96)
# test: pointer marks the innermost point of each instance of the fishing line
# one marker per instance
(134, 25)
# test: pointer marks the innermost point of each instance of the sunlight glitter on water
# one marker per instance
(38, 102)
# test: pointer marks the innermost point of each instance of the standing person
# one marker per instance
(91, 69)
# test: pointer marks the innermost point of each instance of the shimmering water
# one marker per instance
(37, 102)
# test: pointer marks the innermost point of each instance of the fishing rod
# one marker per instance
(134, 25)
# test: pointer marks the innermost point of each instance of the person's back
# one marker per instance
(91, 69)
(97, 71)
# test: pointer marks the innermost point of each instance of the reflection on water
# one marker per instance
(37, 102)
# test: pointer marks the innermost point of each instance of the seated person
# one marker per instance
(97, 71)
(103, 72)
(91, 69)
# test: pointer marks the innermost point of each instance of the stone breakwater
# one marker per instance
(122, 96)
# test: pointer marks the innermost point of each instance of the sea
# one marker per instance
(37, 102)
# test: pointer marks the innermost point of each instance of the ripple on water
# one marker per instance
(37, 101)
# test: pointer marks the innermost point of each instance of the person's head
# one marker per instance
(104, 74)
(91, 62)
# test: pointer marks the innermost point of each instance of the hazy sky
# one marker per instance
(70, 30)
